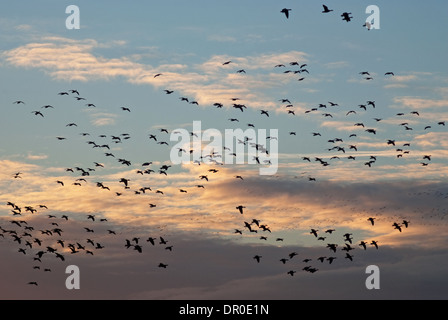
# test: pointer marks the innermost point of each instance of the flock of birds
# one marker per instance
(39, 242)
(338, 246)
(346, 16)
(44, 241)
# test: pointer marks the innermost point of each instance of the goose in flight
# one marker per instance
(257, 257)
(285, 11)
(371, 103)
(332, 246)
(264, 112)
(326, 10)
(240, 208)
(150, 239)
(37, 113)
(396, 226)
(60, 256)
(346, 16)
(363, 244)
(292, 254)
(371, 220)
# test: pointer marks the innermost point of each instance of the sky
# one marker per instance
(348, 123)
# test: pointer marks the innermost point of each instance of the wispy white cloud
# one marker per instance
(37, 156)
(100, 119)
(418, 103)
(68, 59)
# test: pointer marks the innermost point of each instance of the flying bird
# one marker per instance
(286, 12)
(326, 10)
(37, 113)
(346, 16)
(240, 208)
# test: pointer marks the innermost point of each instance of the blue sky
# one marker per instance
(112, 60)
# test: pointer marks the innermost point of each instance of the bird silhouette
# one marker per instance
(396, 226)
(285, 11)
(346, 16)
(240, 208)
(326, 10)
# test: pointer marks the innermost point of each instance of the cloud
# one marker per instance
(337, 64)
(433, 140)
(207, 82)
(37, 156)
(23, 27)
(100, 120)
(201, 223)
(67, 59)
(418, 103)
(221, 38)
